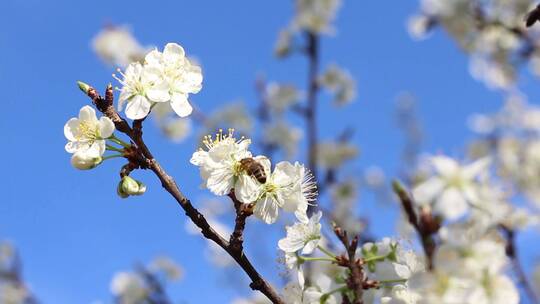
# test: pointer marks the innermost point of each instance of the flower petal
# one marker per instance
(180, 104)
(106, 127)
(71, 129)
(87, 113)
(267, 210)
(138, 107)
(451, 204)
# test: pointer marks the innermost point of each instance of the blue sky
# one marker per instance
(72, 230)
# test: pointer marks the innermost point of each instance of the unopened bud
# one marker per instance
(129, 186)
(83, 86)
(85, 162)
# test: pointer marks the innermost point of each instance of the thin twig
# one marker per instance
(511, 252)
(105, 105)
(355, 280)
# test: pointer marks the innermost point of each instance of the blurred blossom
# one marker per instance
(316, 16)
(13, 293)
(232, 115)
(7, 255)
(374, 177)
(280, 97)
(283, 136)
(177, 129)
(168, 267)
(257, 298)
(284, 43)
(452, 188)
(344, 196)
(470, 267)
(419, 26)
(334, 154)
(116, 45)
(339, 82)
(491, 32)
(494, 75)
(128, 288)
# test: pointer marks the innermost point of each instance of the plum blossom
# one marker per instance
(181, 76)
(302, 236)
(166, 76)
(316, 16)
(116, 46)
(221, 169)
(128, 287)
(339, 82)
(453, 187)
(290, 186)
(86, 137)
(142, 86)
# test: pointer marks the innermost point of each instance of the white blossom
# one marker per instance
(290, 186)
(221, 169)
(452, 188)
(128, 287)
(86, 137)
(280, 97)
(302, 236)
(142, 86)
(339, 82)
(181, 76)
(116, 46)
(316, 16)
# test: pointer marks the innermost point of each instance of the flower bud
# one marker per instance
(85, 162)
(129, 186)
(83, 86)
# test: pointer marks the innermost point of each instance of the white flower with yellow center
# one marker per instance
(142, 87)
(302, 236)
(289, 187)
(453, 188)
(181, 76)
(221, 169)
(86, 135)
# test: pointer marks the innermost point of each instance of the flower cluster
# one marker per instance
(116, 46)
(166, 76)
(227, 164)
(491, 32)
(469, 268)
(339, 82)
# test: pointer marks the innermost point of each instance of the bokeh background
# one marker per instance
(73, 232)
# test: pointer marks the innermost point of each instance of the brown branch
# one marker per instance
(426, 225)
(105, 105)
(511, 252)
(355, 280)
(243, 211)
(312, 51)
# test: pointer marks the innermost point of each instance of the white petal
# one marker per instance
(159, 92)
(444, 165)
(153, 58)
(246, 189)
(180, 104)
(310, 246)
(428, 190)
(70, 129)
(87, 113)
(220, 181)
(72, 147)
(106, 127)
(451, 204)
(267, 210)
(173, 52)
(477, 167)
(138, 107)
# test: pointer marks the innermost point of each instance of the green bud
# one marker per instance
(83, 86)
(83, 162)
(129, 186)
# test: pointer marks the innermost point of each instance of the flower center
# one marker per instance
(87, 131)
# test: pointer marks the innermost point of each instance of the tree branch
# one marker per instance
(355, 280)
(511, 252)
(312, 51)
(426, 226)
(105, 106)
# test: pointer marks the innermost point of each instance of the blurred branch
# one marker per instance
(511, 252)
(426, 225)
(105, 105)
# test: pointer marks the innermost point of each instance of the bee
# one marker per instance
(254, 169)
(533, 16)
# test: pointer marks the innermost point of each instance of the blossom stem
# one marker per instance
(375, 258)
(326, 251)
(113, 148)
(112, 156)
(119, 141)
(308, 259)
(331, 292)
(393, 281)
